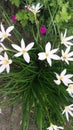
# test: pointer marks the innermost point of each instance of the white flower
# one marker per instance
(66, 56)
(4, 34)
(23, 50)
(70, 90)
(66, 40)
(68, 110)
(64, 78)
(4, 63)
(35, 9)
(48, 54)
(54, 127)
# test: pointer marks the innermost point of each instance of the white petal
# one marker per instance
(54, 50)
(49, 61)
(1, 57)
(26, 57)
(22, 44)
(9, 29)
(63, 72)
(42, 56)
(57, 75)
(18, 54)
(10, 61)
(65, 82)
(7, 68)
(62, 52)
(2, 28)
(67, 116)
(2, 68)
(2, 39)
(57, 82)
(48, 47)
(70, 59)
(67, 50)
(16, 47)
(71, 105)
(59, 127)
(65, 33)
(5, 55)
(68, 76)
(70, 54)
(71, 113)
(69, 38)
(55, 57)
(67, 61)
(29, 46)
(69, 43)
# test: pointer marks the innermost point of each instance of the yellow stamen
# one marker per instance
(61, 78)
(70, 86)
(4, 35)
(47, 54)
(67, 108)
(6, 62)
(65, 56)
(24, 51)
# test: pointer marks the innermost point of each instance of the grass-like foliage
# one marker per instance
(36, 70)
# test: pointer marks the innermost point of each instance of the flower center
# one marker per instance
(65, 56)
(24, 51)
(63, 40)
(4, 35)
(71, 87)
(34, 11)
(6, 62)
(60, 78)
(67, 108)
(47, 54)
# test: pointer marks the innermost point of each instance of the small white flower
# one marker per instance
(4, 63)
(4, 34)
(64, 78)
(48, 54)
(66, 56)
(66, 40)
(23, 50)
(35, 9)
(54, 127)
(70, 90)
(68, 110)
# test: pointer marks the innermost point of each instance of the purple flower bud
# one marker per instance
(13, 18)
(27, 8)
(43, 30)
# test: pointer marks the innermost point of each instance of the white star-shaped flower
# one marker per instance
(70, 90)
(68, 110)
(64, 78)
(4, 34)
(23, 50)
(35, 8)
(48, 54)
(66, 56)
(54, 127)
(66, 40)
(4, 63)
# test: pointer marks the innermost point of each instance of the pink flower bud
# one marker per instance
(13, 18)
(43, 30)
